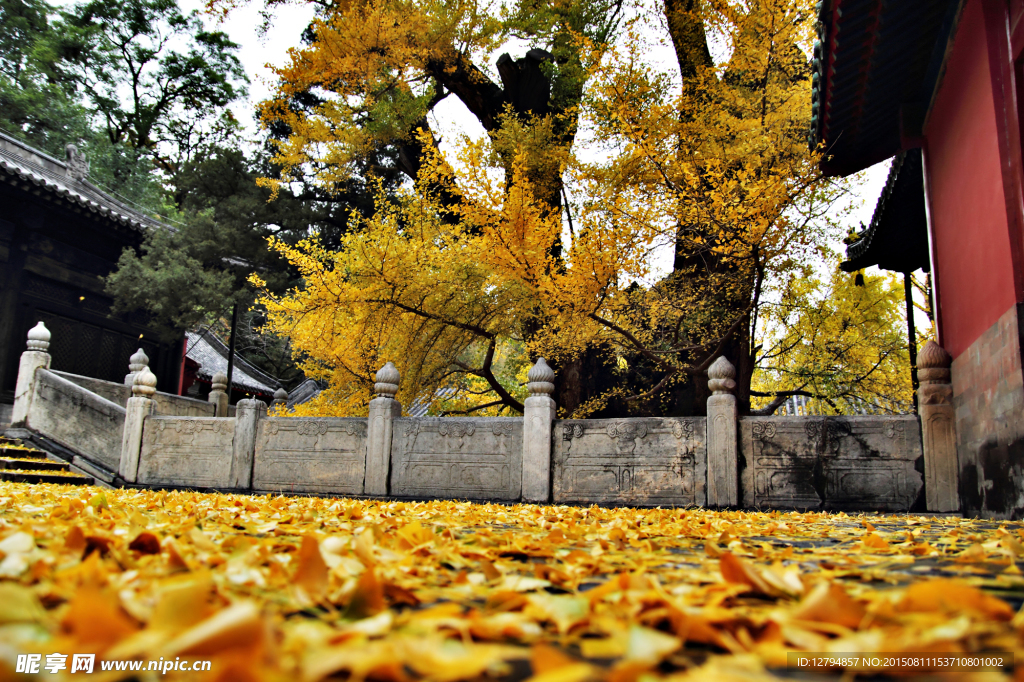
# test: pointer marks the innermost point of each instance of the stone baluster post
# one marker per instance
(538, 416)
(243, 449)
(140, 406)
(280, 398)
(380, 424)
(32, 359)
(136, 362)
(938, 429)
(218, 394)
(723, 475)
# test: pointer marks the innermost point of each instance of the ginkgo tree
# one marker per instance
(480, 265)
(842, 342)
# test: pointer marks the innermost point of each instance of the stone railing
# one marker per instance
(77, 419)
(166, 403)
(722, 460)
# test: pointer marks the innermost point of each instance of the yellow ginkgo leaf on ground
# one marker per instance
(182, 602)
(449, 660)
(952, 596)
(93, 619)
(829, 603)
(874, 541)
(645, 645)
(626, 613)
(238, 626)
(368, 597)
(311, 572)
(740, 572)
(575, 672)
(19, 604)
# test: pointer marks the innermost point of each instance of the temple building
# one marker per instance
(935, 84)
(60, 235)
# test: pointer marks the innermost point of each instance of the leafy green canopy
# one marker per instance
(141, 73)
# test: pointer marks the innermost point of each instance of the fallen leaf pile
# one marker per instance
(303, 589)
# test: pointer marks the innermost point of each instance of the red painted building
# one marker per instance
(944, 77)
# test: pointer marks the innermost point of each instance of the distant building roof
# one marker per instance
(23, 164)
(897, 238)
(304, 392)
(212, 355)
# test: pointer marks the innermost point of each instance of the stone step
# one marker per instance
(33, 476)
(33, 464)
(22, 452)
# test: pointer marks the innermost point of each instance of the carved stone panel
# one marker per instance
(191, 452)
(299, 454)
(642, 462)
(834, 463)
(477, 459)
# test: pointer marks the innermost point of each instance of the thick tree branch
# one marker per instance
(487, 374)
(479, 331)
(632, 340)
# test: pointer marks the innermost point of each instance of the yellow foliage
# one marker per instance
(462, 295)
(843, 343)
(298, 588)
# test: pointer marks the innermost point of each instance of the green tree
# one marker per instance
(141, 72)
(196, 272)
(37, 100)
(146, 92)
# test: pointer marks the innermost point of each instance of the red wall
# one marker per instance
(971, 245)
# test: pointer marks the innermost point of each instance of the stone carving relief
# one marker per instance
(312, 428)
(894, 429)
(410, 429)
(827, 432)
(630, 461)
(194, 452)
(473, 458)
(763, 430)
(76, 163)
(456, 430)
(682, 428)
(830, 463)
(570, 431)
(502, 429)
(626, 435)
(310, 455)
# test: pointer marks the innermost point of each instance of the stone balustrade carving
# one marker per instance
(384, 409)
(723, 450)
(539, 411)
(34, 358)
(136, 362)
(219, 394)
(789, 462)
(938, 429)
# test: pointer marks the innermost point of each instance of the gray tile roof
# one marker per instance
(22, 162)
(304, 392)
(212, 355)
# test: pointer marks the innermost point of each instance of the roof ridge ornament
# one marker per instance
(77, 164)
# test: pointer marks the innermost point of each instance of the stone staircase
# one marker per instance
(21, 463)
